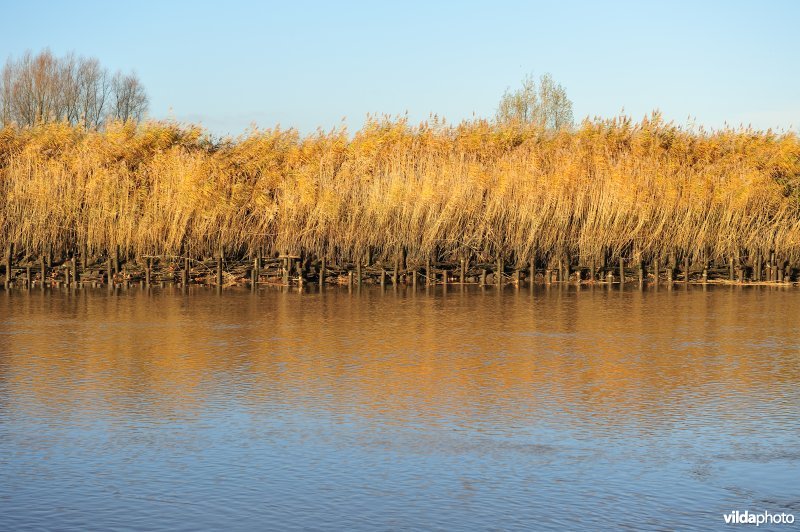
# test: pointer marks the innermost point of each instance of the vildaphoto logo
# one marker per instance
(758, 518)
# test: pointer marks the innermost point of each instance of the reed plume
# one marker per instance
(610, 186)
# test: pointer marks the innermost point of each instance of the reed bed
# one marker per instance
(433, 191)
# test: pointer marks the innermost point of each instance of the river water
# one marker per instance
(568, 408)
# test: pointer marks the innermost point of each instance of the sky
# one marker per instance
(232, 65)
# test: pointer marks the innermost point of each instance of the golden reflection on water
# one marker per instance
(591, 356)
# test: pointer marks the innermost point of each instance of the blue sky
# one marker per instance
(231, 64)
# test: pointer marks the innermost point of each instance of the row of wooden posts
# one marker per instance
(288, 269)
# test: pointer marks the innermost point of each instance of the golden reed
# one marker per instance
(606, 188)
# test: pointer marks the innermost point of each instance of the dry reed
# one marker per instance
(610, 187)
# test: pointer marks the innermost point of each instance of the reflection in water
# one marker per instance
(563, 408)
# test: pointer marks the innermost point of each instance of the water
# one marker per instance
(566, 409)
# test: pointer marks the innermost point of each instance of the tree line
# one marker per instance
(43, 88)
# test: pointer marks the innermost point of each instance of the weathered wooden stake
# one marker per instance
(532, 272)
(116, 258)
(383, 277)
(732, 267)
(656, 270)
(73, 263)
(185, 272)
(428, 273)
(322, 273)
(686, 268)
(395, 271)
(640, 269)
(483, 277)
(9, 263)
(219, 269)
(43, 268)
(499, 272)
(592, 271)
(358, 273)
(621, 270)
(28, 279)
(414, 278)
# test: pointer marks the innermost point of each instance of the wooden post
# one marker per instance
(656, 270)
(428, 273)
(772, 269)
(43, 268)
(286, 263)
(686, 268)
(414, 278)
(358, 273)
(757, 269)
(610, 277)
(9, 263)
(28, 279)
(499, 272)
(116, 259)
(301, 269)
(383, 277)
(349, 278)
(548, 276)
(219, 269)
(621, 270)
(732, 268)
(640, 268)
(516, 276)
(444, 277)
(592, 271)
(109, 271)
(322, 273)
(185, 272)
(395, 271)
(483, 277)
(74, 266)
(532, 272)
(66, 276)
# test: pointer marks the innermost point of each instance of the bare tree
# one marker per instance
(93, 88)
(544, 103)
(130, 101)
(42, 88)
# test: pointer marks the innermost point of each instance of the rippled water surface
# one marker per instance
(565, 408)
